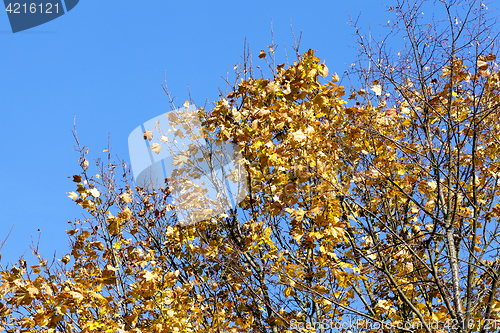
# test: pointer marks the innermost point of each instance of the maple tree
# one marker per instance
(375, 202)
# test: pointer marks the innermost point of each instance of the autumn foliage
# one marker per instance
(372, 202)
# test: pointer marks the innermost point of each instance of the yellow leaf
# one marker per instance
(148, 135)
(482, 65)
(432, 184)
(95, 193)
(255, 124)
(156, 148)
(111, 268)
(377, 89)
(66, 259)
(325, 71)
(299, 136)
(383, 304)
(113, 224)
(73, 195)
(289, 292)
(125, 214)
(172, 117)
(76, 295)
(125, 197)
(148, 276)
(85, 164)
(179, 133)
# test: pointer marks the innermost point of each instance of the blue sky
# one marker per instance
(104, 63)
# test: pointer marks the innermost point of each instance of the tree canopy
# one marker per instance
(372, 204)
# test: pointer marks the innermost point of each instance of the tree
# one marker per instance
(367, 210)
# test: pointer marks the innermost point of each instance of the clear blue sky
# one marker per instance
(104, 62)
